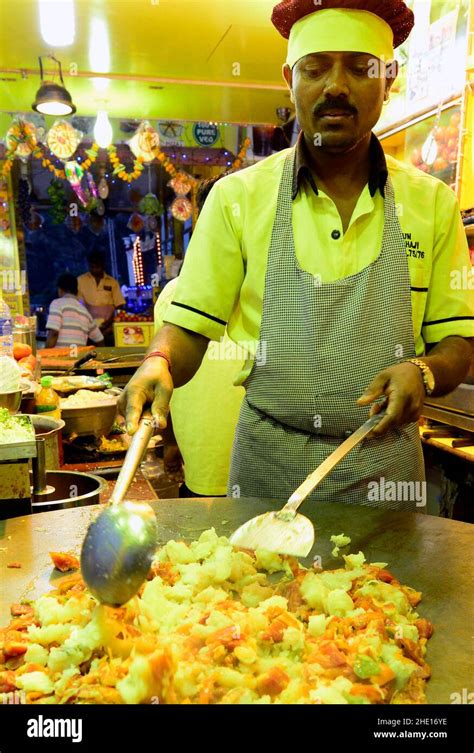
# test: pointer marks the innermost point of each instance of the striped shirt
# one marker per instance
(72, 321)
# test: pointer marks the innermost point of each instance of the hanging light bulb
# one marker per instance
(103, 132)
(57, 22)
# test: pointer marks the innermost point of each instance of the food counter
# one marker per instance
(429, 554)
(119, 362)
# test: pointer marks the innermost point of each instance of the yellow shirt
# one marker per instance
(102, 299)
(205, 411)
(223, 276)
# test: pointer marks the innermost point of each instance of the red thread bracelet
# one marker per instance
(160, 354)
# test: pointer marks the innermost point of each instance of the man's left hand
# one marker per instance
(404, 389)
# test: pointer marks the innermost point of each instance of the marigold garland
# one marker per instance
(240, 157)
(37, 151)
(119, 168)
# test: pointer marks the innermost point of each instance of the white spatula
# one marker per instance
(286, 531)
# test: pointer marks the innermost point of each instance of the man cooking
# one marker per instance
(101, 294)
(308, 255)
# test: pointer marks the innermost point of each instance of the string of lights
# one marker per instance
(137, 262)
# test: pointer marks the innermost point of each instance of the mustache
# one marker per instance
(336, 104)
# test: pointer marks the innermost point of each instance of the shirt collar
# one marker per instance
(378, 167)
(103, 278)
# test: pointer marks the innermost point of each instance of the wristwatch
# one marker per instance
(428, 377)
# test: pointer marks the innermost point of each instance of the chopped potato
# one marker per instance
(211, 627)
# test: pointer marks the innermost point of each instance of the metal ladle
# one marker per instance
(120, 543)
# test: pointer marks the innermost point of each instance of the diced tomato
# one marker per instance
(15, 648)
(7, 681)
(385, 576)
(32, 667)
(22, 623)
(277, 628)
(17, 610)
(330, 656)
(228, 636)
(424, 627)
(160, 663)
(293, 594)
(411, 649)
(166, 572)
(385, 675)
(414, 597)
(367, 691)
(68, 581)
(272, 682)
(64, 561)
(207, 690)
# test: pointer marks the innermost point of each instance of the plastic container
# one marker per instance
(6, 335)
(47, 400)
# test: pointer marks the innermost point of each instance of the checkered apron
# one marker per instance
(323, 344)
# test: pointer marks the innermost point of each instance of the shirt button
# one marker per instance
(335, 235)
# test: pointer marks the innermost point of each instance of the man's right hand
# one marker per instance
(151, 384)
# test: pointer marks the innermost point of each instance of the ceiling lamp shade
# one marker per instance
(53, 98)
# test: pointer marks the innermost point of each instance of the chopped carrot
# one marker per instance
(272, 682)
(367, 691)
(7, 681)
(385, 675)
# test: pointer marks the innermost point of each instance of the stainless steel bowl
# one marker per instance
(96, 419)
(66, 489)
(11, 400)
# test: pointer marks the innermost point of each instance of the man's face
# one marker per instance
(338, 96)
(96, 270)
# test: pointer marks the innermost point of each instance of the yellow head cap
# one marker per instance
(340, 30)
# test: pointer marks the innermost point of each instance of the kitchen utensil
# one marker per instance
(123, 357)
(90, 419)
(81, 361)
(64, 490)
(11, 400)
(50, 430)
(285, 531)
(120, 544)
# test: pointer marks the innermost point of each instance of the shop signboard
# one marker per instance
(432, 61)
(205, 134)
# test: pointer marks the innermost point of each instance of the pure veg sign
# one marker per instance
(205, 134)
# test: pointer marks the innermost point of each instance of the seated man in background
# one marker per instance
(69, 322)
